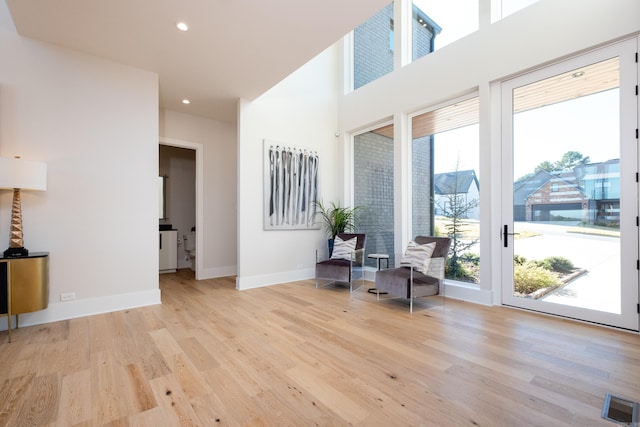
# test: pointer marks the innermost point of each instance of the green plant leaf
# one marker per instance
(337, 219)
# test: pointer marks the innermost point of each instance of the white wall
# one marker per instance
(95, 123)
(219, 190)
(545, 32)
(299, 112)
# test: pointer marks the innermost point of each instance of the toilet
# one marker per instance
(190, 248)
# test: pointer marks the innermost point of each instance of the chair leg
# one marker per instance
(351, 280)
(351, 285)
(411, 291)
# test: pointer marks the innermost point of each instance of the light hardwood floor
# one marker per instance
(294, 355)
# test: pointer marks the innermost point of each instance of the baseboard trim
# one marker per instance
(213, 273)
(251, 282)
(468, 293)
(87, 307)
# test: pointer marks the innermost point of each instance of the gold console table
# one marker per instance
(24, 285)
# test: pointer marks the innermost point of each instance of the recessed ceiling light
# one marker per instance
(577, 74)
(182, 26)
(186, 101)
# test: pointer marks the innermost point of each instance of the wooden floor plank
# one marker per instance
(15, 392)
(176, 409)
(187, 375)
(324, 391)
(75, 398)
(42, 401)
(295, 355)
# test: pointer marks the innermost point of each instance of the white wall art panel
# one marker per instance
(291, 187)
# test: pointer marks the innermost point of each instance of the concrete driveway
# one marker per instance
(599, 288)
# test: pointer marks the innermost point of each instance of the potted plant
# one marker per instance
(336, 219)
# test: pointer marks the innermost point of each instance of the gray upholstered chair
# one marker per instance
(408, 282)
(343, 270)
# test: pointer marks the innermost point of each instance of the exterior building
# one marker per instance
(588, 193)
(560, 198)
(523, 188)
(373, 178)
(463, 185)
(601, 184)
(424, 31)
(374, 44)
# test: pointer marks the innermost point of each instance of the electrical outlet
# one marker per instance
(67, 296)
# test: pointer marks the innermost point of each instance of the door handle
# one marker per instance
(505, 234)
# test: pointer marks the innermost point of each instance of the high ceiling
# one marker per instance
(233, 49)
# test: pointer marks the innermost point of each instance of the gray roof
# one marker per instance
(454, 182)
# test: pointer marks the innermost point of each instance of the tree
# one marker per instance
(545, 166)
(456, 209)
(569, 160)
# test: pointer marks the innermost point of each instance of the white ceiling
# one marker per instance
(234, 48)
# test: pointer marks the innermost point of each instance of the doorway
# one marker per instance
(570, 157)
(190, 206)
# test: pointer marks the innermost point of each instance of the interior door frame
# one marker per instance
(198, 147)
(629, 197)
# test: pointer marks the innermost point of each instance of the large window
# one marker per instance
(373, 189)
(446, 21)
(373, 48)
(446, 183)
(434, 24)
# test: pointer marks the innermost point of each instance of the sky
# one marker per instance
(589, 125)
(457, 147)
(447, 14)
(457, 18)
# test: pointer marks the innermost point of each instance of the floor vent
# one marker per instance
(621, 411)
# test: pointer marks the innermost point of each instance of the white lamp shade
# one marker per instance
(23, 174)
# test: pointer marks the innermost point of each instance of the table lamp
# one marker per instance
(17, 174)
